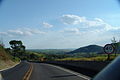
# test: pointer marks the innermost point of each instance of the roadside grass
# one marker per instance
(34, 55)
(3, 54)
(101, 57)
(6, 64)
(6, 60)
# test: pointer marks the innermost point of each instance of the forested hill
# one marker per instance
(51, 51)
(88, 49)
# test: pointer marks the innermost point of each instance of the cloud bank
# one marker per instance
(47, 25)
(22, 32)
(95, 24)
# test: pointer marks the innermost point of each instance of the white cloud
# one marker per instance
(3, 33)
(98, 19)
(34, 31)
(17, 32)
(47, 25)
(92, 31)
(71, 31)
(22, 32)
(72, 19)
(95, 24)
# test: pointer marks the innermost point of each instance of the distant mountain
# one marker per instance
(51, 51)
(88, 49)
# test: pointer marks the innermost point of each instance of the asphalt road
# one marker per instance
(16, 73)
(42, 71)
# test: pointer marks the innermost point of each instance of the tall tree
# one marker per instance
(17, 47)
(15, 44)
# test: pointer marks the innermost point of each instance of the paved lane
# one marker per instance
(42, 71)
(16, 73)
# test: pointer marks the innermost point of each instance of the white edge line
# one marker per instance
(72, 72)
(10, 67)
(1, 77)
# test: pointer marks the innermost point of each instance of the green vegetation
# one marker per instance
(17, 52)
(50, 54)
(11, 56)
(75, 56)
(88, 49)
(33, 56)
(17, 48)
(100, 57)
(3, 54)
(51, 51)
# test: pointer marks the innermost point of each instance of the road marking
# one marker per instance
(1, 78)
(72, 72)
(28, 73)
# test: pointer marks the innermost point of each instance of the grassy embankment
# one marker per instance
(6, 60)
(101, 57)
(33, 56)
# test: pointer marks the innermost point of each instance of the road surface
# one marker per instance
(41, 71)
(17, 72)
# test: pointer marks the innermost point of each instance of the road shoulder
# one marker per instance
(70, 71)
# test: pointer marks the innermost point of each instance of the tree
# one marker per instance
(116, 45)
(15, 44)
(17, 47)
(113, 40)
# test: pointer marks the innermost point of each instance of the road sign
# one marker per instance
(109, 49)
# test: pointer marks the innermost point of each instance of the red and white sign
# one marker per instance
(109, 49)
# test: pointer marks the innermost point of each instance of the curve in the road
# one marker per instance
(74, 73)
(28, 73)
(17, 72)
(43, 71)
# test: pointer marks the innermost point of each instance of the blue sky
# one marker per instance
(47, 24)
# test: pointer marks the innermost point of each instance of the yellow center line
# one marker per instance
(28, 73)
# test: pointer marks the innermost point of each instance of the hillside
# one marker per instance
(3, 55)
(51, 51)
(5, 59)
(88, 49)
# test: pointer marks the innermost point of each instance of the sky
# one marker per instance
(59, 24)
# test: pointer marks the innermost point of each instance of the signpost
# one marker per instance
(109, 49)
